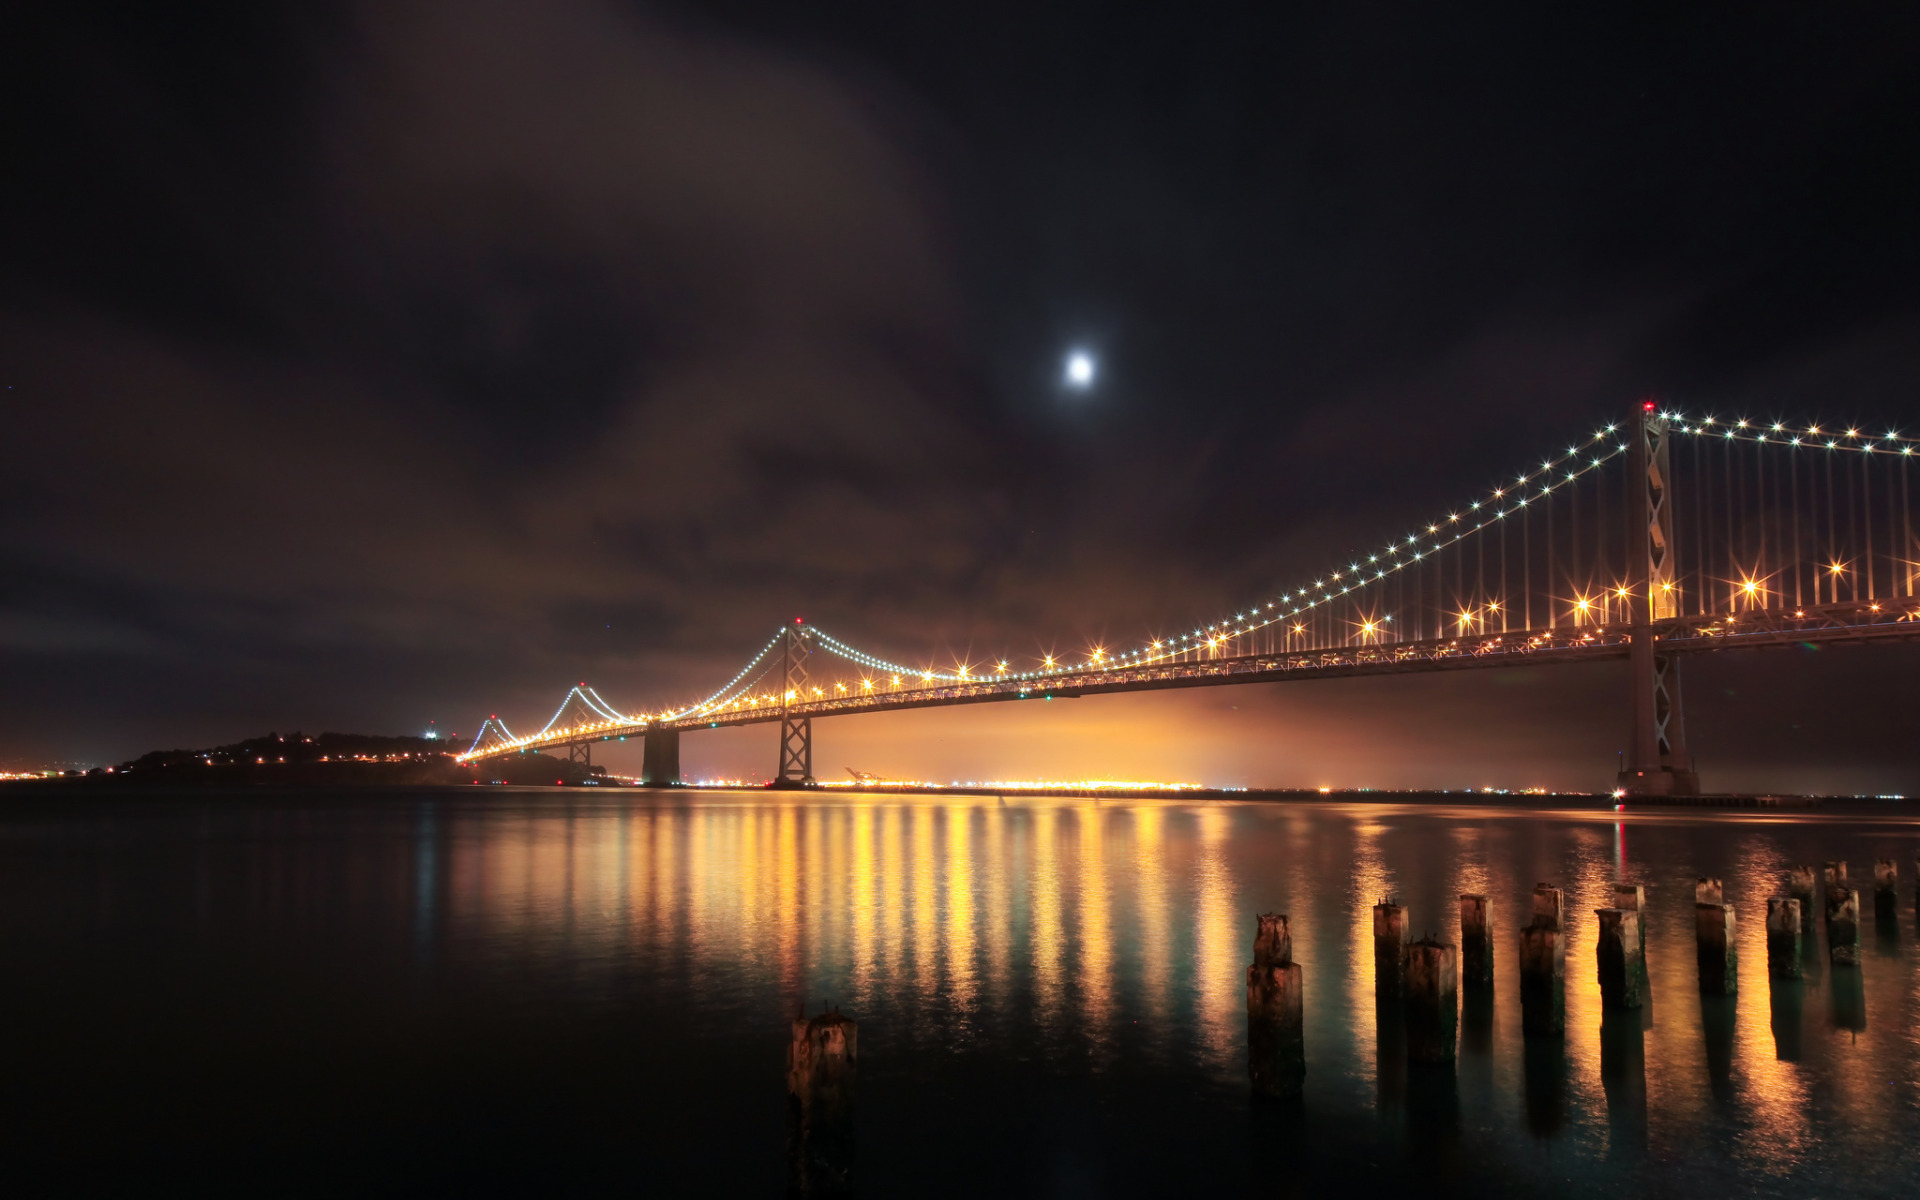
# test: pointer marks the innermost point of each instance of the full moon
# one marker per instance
(1080, 370)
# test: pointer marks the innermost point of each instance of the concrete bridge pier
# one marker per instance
(660, 761)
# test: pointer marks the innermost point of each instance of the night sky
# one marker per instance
(367, 365)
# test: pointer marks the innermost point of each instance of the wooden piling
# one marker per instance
(1886, 890)
(1708, 890)
(1548, 903)
(1800, 886)
(1835, 875)
(1543, 965)
(1432, 1001)
(822, 1065)
(1276, 1059)
(1783, 937)
(1543, 977)
(1843, 926)
(1389, 948)
(1476, 941)
(1621, 957)
(1718, 949)
(1630, 896)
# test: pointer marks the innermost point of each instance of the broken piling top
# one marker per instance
(823, 1053)
(1783, 914)
(1631, 896)
(1548, 903)
(1886, 876)
(1476, 914)
(1836, 874)
(1718, 948)
(1272, 942)
(1620, 956)
(1708, 890)
(1620, 927)
(1389, 921)
(1800, 881)
(1433, 971)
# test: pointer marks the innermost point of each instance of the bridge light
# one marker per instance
(866, 685)
(1002, 668)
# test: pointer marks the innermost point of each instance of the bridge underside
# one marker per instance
(1824, 625)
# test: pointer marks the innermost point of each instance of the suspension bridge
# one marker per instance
(1645, 540)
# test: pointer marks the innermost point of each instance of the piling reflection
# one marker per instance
(1623, 1077)
(1847, 993)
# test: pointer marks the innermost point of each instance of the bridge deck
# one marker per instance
(1890, 620)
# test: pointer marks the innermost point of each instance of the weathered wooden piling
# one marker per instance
(1476, 941)
(1843, 926)
(1783, 937)
(1800, 886)
(1835, 875)
(1543, 967)
(1630, 896)
(1718, 949)
(1548, 903)
(1276, 1056)
(1708, 890)
(1389, 948)
(1432, 1001)
(1621, 957)
(822, 1064)
(1886, 890)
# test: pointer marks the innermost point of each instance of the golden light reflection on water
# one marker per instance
(866, 904)
(960, 933)
(949, 912)
(1149, 823)
(1371, 883)
(1096, 926)
(1049, 937)
(1222, 945)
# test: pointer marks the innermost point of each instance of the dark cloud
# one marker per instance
(375, 362)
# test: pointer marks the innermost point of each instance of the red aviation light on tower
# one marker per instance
(1646, 406)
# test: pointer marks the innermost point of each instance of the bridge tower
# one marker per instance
(796, 733)
(1657, 763)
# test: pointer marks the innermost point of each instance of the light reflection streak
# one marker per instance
(1048, 939)
(1095, 976)
(1372, 882)
(1219, 975)
(961, 936)
(1774, 1089)
(926, 902)
(1152, 918)
(866, 887)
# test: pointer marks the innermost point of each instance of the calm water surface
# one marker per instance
(513, 991)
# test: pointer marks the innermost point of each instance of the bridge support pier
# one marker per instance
(580, 752)
(660, 761)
